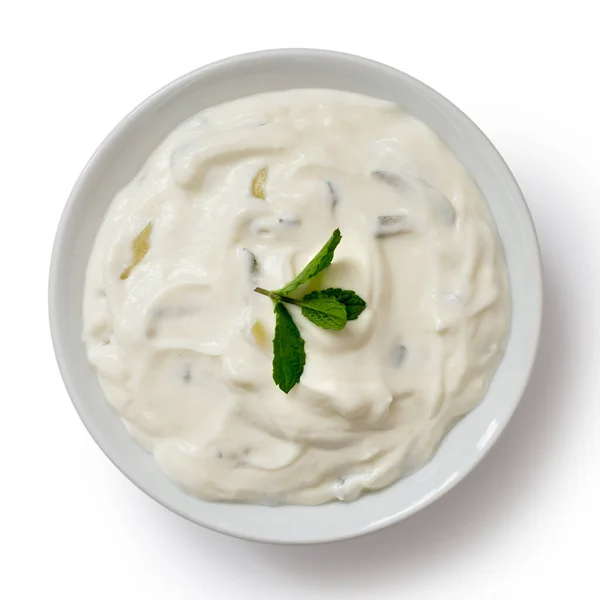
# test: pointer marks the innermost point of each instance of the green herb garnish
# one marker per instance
(351, 300)
(288, 350)
(322, 259)
(331, 308)
(324, 311)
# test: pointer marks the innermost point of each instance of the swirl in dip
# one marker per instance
(243, 195)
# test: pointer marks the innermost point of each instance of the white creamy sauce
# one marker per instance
(183, 345)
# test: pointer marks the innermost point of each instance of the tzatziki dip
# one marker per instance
(242, 196)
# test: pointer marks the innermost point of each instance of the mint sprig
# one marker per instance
(331, 309)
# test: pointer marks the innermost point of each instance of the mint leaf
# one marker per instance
(288, 350)
(321, 260)
(325, 307)
(325, 312)
(351, 300)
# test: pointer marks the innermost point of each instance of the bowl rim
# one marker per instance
(57, 254)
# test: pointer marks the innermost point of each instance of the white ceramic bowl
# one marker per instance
(119, 158)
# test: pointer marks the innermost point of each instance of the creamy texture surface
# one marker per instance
(182, 345)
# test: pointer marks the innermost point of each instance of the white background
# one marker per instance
(525, 524)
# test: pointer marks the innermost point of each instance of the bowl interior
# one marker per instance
(120, 157)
